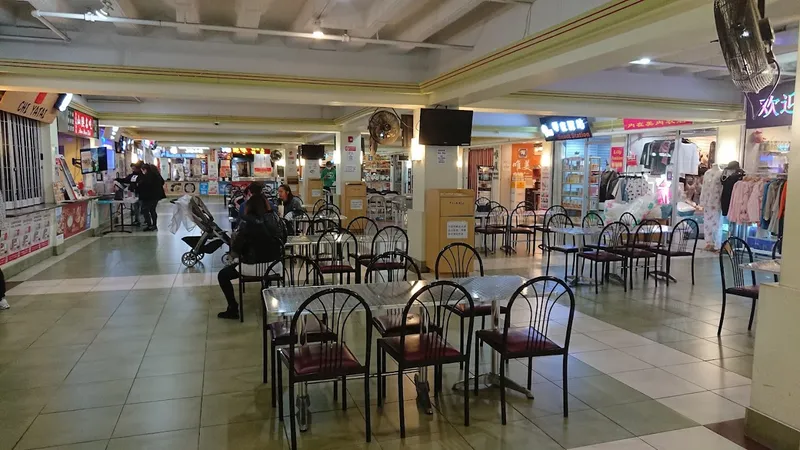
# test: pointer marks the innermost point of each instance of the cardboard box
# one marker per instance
(353, 201)
(355, 189)
(312, 191)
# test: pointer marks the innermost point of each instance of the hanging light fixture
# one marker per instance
(63, 101)
(317, 33)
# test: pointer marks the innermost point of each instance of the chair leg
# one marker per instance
(273, 356)
(241, 302)
(400, 402)
(669, 264)
(752, 315)
(344, 393)
(383, 368)
(530, 372)
(502, 391)
(566, 394)
(722, 314)
(477, 366)
(596, 279)
(566, 266)
(547, 270)
(461, 343)
(466, 394)
(265, 347)
(483, 327)
(367, 407)
(378, 377)
(692, 269)
(292, 417)
(626, 275)
(280, 391)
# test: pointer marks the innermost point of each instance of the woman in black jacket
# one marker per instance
(151, 191)
(258, 239)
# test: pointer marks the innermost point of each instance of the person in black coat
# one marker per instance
(133, 186)
(151, 191)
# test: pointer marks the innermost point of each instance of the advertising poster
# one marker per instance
(4, 244)
(617, 158)
(38, 225)
(225, 168)
(544, 201)
(190, 188)
(174, 188)
(73, 218)
(224, 188)
(213, 188)
(46, 224)
(59, 225)
(26, 236)
(213, 171)
(15, 239)
(203, 189)
(88, 223)
(262, 165)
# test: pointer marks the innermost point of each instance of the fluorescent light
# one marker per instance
(114, 129)
(642, 61)
(101, 12)
(318, 34)
(65, 101)
(745, 33)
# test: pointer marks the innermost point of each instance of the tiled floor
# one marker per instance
(117, 346)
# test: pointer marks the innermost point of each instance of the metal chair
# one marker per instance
(328, 359)
(319, 204)
(496, 225)
(641, 245)
(614, 236)
(558, 242)
(430, 347)
(290, 270)
(542, 227)
(776, 249)
(458, 260)
(482, 204)
(534, 301)
(628, 219)
(682, 243)
(591, 220)
(388, 238)
(336, 252)
(387, 268)
(733, 253)
(376, 208)
(523, 221)
(329, 212)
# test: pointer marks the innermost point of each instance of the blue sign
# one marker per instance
(224, 188)
(203, 188)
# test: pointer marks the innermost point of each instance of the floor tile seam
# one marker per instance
(147, 434)
(719, 367)
(651, 400)
(702, 389)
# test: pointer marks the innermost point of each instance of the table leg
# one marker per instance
(492, 378)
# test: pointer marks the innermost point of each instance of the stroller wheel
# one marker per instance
(200, 256)
(189, 259)
(227, 259)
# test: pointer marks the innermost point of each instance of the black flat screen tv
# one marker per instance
(312, 151)
(445, 127)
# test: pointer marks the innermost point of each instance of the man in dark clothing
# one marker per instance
(151, 191)
(3, 301)
(131, 182)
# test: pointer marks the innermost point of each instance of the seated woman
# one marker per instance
(258, 239)
(291, 204)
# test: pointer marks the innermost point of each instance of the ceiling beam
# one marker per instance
(125, 8)
(7, 14)
(312, 9)
(248, 15)
(378, 16)
(188, 11)
(447, 12)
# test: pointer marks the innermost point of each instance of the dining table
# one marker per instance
(496, 290)
(769, 266)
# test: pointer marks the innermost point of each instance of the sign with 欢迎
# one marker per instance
(770, 108)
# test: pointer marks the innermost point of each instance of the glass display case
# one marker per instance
(572, 176)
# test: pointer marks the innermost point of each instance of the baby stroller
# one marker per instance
(213, 236)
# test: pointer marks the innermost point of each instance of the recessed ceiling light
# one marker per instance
(642, 61)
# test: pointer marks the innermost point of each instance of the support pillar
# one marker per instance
(433, 167)
(773, 417)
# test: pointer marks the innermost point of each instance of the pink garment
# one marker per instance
(737, 211)
(755, 200)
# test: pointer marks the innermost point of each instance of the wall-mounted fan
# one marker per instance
(746, 38)
(276, 155)
(384, 129)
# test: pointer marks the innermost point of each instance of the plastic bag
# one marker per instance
(182, 215)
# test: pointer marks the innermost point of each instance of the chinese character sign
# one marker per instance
(641, 124)
(770, 108)
(83, 124)
(617, 158)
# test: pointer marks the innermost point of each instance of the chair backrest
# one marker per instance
(777, 248)
(555, 209)
(498, 217)
(534, 303)
(615, 235)
(684, 233)
(334, 308)
(592, 220)
(482, 204)
(328, 212)
(733, 253)
(336, 247)
(319, 204)
(294, 270)
(628, 219)
(522, 216)
(301, 222)
(557, 220)
(392, 266)
(458, 259)
(363, 226)
(649, 232)
(435, 303)
(388, 239)
(321, 225)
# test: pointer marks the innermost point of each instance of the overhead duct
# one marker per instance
(92, 17)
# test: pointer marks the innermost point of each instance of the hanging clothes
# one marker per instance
(710, 201)
(762, 222)
(608, 181)
(638, 187)
(774, 220)
(754, 201)
(728, 182)
(740, 196)
(773, 197)
(689, 159)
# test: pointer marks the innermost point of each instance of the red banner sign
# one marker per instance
(618, 158)
(641, 124)
(84, 124)
(74, 218)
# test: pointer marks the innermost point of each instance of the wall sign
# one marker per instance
(457, 229)
(357, 204)
(642, 124)
(617, 158)
(33, 105)
(560, 128)
(771, 109)
(441, 156)
(78, 123)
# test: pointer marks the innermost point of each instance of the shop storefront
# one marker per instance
(76, 131)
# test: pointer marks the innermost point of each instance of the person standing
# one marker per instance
(151, 191)
(328, 174)
(3, 302)
(131, 182)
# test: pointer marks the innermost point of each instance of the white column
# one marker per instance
(435, 168)
(348, 167)
(774, 404)
(49, 142)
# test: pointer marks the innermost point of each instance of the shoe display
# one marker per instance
(229, 314)
(4, 304)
